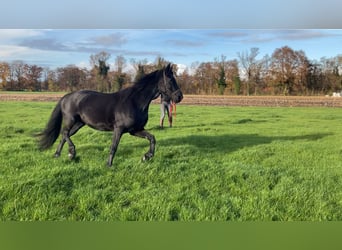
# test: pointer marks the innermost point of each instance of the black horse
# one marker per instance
(125, 111)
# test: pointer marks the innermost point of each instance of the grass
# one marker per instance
(215, 164)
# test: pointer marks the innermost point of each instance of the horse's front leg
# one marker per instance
(115, 142)
(151, 138)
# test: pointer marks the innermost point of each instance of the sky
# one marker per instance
(61, 47)
(59, 33)
(174, 14)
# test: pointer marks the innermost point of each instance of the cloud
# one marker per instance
(11, 51)
(92, 44)
(114, 39)
(181, 68)
(183, 43)
(12, 34)
(48, 44)
(263, 36)
(229, 34)
(44, 44)
(299, 34)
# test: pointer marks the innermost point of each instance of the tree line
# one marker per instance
(285, 72)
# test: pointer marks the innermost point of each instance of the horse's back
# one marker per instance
(85, 97)
(90, 107)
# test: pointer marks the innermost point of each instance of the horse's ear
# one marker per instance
(168, 68)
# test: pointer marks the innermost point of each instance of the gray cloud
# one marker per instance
(114, 39)
(264, 36)
(44, 44)
(93, 46)
(229, 34)
(299, 34)
(183, 43)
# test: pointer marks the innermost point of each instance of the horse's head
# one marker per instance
(168, 85)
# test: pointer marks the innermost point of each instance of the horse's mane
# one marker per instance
(140, 84)
(148, 77)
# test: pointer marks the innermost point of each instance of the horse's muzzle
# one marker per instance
(177, 96)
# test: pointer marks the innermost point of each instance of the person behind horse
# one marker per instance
(165, 105)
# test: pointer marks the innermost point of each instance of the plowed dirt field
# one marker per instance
(265, 101)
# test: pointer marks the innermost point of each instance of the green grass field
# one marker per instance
(215, 164)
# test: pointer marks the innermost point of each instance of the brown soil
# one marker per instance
(265, 101)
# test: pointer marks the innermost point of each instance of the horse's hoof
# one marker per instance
(71, 156)
(147, 157)
(57, 155)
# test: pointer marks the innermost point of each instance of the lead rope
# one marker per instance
(173, 104)
(173, 109)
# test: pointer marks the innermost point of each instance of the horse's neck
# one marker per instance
(143, 96)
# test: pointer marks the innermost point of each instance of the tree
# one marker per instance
(140, 73)
(315, 79)
(103, 69)
(185, 82)
(139, 69)
(288, 68)
(52, 80)
(265, 77)
(231, 72)
(237, 85)
(100, 70)
(259, 74)
(248, 62)
(332, 70)
(70, 78)
(205, 78)
(119, 76)
(33, 73)
(4, 75)
(160, 62)
(17, 72)
(221, 81)
(101, 56)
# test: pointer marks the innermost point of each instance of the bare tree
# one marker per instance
(100, 70)
(160, 62)
(332, 69)
(119, 78)
(120, 63)
(101, 56)
(33, 73)
(70, 78)
(17, 75)
(205, 78)
(248, 63)
(232, 75)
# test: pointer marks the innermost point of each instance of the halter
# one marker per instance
(174, 92)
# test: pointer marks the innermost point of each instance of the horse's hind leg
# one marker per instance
(66, 134)
(72, 148)
(151, 138)
(115, 142)
(66, 138)
(60, 146)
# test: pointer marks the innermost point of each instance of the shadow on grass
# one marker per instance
(228, 142)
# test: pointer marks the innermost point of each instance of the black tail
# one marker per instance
(52, 130)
